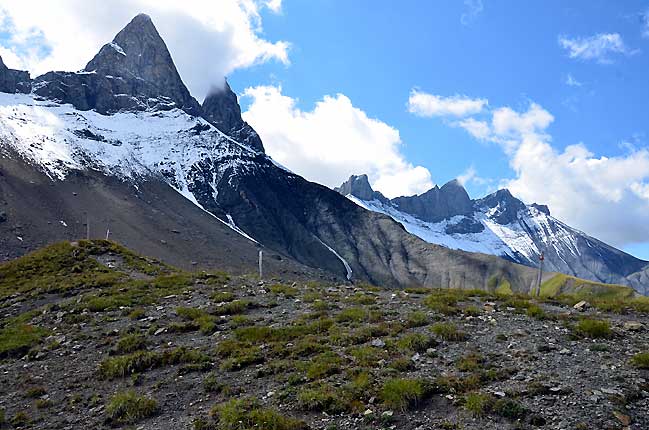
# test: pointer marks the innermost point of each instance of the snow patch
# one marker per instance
(345, 263)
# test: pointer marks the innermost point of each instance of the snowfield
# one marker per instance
(128, 145)
(521, 241)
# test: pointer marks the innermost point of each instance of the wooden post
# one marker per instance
(538, 283)
(261, 270)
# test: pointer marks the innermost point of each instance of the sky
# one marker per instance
(547, 98)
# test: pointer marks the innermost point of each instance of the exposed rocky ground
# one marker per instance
(95, 336)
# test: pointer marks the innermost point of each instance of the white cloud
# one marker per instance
(429, 105)
(207, 39)
(472, 9)
(274, 5)
(332, 142)
(599, 47)
(478, 129)
(571, 81)
(607, 197)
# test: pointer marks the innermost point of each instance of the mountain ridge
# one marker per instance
(232, 180)
(500, 224)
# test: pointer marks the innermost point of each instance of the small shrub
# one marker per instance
(322, 398)
(470, 362)
(204, 321)
(34, 392)
(233, 308)
(20, 419)
(353, 315)
(416, 342)
(124, 365)
(323, 365)
(449, 332)
(362, 299)
(211, 384)
(129, 343)
(641, 360)
(222, 296)
(43, 403)
(416, 319)
(478, 404)
(136, 314)
(284, 290)
(402, 393)
(128, 408)
(239, 414)
(367, 356)
(402, 364)
(535, 311)
(593, 328)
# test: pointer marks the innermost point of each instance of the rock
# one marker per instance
(378, 343)
(368, 412)
(159, 331)
(633, 326)
(387, 414)
(565, 351)
(581, 306)
(489, 307)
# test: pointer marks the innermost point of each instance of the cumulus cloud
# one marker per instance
(428, 105)
(599, 47)
(607, 197)
(333, 141)
(207, 39)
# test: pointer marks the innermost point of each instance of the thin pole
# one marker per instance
(261, 270)
(107, 233)
(538, 283)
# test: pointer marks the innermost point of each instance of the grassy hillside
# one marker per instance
(92, 334)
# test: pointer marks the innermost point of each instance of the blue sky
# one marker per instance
(375, 54)
(508, 53)
(557, 91)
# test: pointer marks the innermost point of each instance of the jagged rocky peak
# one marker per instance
(14, 81)
(505, 204)
(437, 203)
(359, 186)
(541, 208)
(133, 72)
(221, 108)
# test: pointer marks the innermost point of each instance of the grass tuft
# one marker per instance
(128, 407)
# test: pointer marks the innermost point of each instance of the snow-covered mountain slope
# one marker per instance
(127, 127)
(128, 145)
(500, 224)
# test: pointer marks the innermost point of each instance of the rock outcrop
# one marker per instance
(14, 81)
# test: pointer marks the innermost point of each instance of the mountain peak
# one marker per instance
(133, 72)
(359, 186)
(221, 108)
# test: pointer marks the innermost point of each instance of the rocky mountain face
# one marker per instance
(500, 224)
(222, 109)
(14, 81)
(129, 118)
